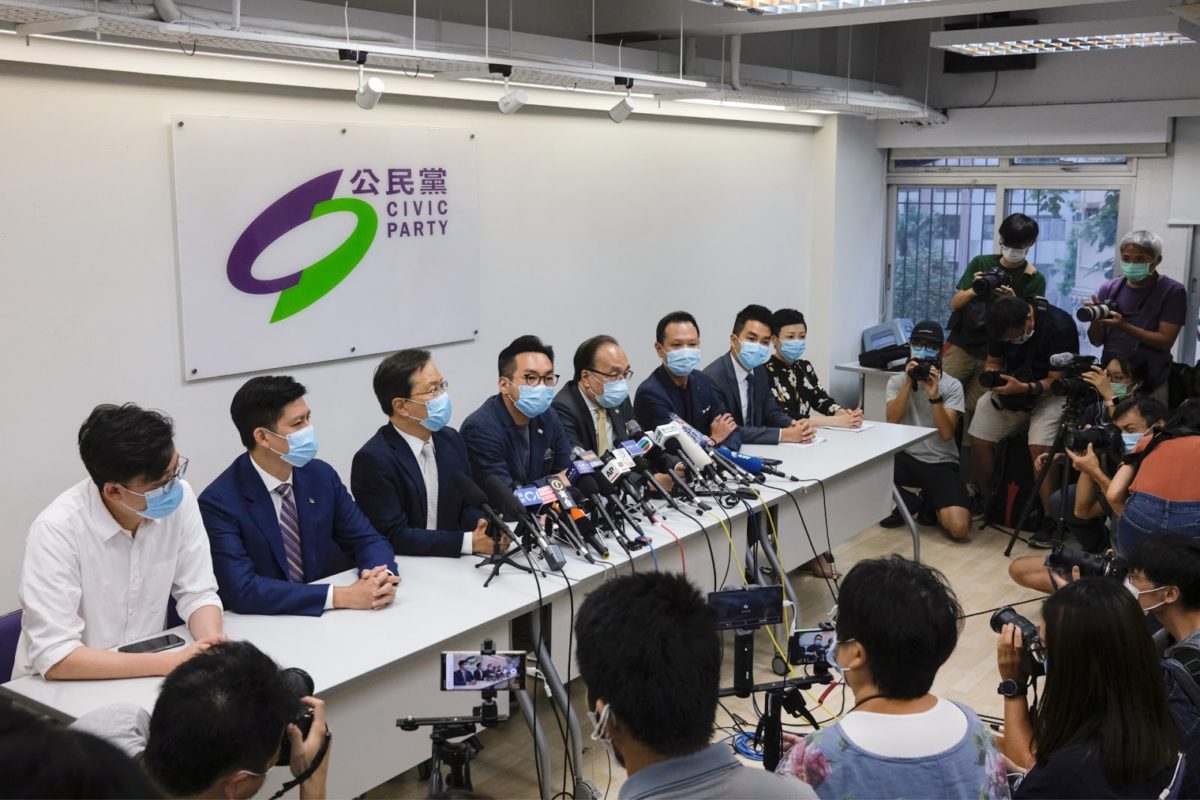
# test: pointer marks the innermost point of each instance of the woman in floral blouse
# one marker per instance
(794, 382)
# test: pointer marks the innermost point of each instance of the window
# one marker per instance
(1059, 161)
(919, 163)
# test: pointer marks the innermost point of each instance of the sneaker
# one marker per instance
(1043, 539)
(927, 516)
(893, 520)
(978, 501)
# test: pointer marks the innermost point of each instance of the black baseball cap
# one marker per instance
(928, 330)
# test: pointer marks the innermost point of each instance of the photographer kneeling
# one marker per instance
(897, 623)
(1086, 502)
(1021, 339)
(223, 719)
(926, 397)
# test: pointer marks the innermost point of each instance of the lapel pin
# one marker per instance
(312, 502)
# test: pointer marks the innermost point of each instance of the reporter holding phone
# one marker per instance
(105, 557)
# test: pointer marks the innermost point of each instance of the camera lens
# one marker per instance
(299, 684)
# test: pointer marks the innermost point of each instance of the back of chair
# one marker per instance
(10, 632)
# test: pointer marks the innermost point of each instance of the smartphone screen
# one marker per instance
(812, 646)
(747, 608)
(155, 645)
(503, 670)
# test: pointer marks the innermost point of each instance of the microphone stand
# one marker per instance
(498, 559)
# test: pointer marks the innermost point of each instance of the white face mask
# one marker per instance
(598, 726)
(1013, 255)
(1137, 593)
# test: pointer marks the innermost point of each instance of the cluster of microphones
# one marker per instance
(610, 496)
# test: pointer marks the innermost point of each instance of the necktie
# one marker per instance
(289, 526)
(751, 412)
(429, 473)
(603, 441)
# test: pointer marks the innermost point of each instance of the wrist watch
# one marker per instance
(936, 400)
(1010, 689)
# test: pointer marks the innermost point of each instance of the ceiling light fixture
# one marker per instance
(1068, 37)
(369, 89)
(708, 101)
(624, 107)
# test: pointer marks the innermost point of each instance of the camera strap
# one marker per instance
(308, 773)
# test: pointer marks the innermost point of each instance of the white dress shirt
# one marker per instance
(743, 378)
(87, 582)
(416, 444)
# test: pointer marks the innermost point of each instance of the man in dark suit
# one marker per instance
(515, 435)
(594, 407)
(677, 388)
(277, 518)
(402, 478)
(462, 674)
(741, 377)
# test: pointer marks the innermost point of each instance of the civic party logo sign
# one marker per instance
(303, 242)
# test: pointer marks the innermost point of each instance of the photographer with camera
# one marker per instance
(897, 622)
(1022, 337)
(1102, 727)
(1139, 309)
(1156, 490)
(922, 395)
(223, 719)
(986, 278)
(1088, 513)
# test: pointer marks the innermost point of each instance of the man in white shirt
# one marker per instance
(105, 557)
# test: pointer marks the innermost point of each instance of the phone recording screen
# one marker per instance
(475, 671)
(747, 608)
(812, 647)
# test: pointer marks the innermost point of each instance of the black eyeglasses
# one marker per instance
(612, 376)
(530, 379)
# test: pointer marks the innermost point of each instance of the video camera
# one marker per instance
(989, 282)
(1072, 385)
(299, 685)
(1033, 651)
(1104, 565)
(1098, 311)
(1104, 439)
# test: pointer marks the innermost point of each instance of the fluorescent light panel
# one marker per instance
(788, 7)
(1117, 34)
(706, 101)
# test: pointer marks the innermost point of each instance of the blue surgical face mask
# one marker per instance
(925, 352)
(437, 412)
(160, 502)
(792, 349)
(615, 393)
(753, 355)
(302, 446)
(534, 400)
(1131, 440)
(681, 362)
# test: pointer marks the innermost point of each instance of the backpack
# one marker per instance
(1012, 484)
(1180, 672)
(882, 357)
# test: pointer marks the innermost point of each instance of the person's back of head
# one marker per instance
(220, 717)
(905, 616)
(39, 759)
(1104, 684)
(647, 646)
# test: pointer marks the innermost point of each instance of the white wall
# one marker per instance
(585, 227)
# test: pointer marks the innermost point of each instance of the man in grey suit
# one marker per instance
(745, 386)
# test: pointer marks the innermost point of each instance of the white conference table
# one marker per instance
(374, 667)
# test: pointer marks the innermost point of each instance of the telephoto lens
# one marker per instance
(299, 685)
(1102, 438)
(1105, 565)
(1032, 650)
(1097, 312)
(989, 282)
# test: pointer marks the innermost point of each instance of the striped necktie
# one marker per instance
(289, 526)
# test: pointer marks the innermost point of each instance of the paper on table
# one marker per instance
(817, 440)
(866, 426)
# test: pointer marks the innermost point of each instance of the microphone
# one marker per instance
(573, 518)
(753, 464)
(736, 471)
(587, 486)
(648, 476)
(688, 447)
(1060, 361)
(472, 495)
(610, 491)
(503, 497)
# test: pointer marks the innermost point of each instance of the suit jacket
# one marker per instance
(580, 425)
(766, 415)
(247, 545)
(496, 445)
(387, 484)
(658, 397)
(460, 677)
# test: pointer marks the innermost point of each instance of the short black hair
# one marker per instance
(507, 361)
(751, 313)
(1018, 230)
(1170, 559)
(660, 332)
(121, 443)
(1004, 314)
(393, 376)
(1151, 409)
(1134, 365)
(41, 759)
(223, 710)
(647, 645)
(260, 402)
(585, 354)
(784, 317)
(906, 617)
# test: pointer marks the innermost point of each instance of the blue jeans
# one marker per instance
(1147, 515)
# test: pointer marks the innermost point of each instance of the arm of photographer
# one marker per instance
(1017, 742)
(1162, 338)
(1092, 484)
(1118, 489)
(945, 419)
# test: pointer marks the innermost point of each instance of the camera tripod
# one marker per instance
(499, 558)
(781, 695)
(456, 755)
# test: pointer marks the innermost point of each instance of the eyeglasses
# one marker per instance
(530, 379)
(166, 485)
(613, 376)
(438, 390)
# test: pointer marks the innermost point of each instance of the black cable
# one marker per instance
(995, 83)
(537, 762)
(712, 556)
(834, 588)
(1006, 605)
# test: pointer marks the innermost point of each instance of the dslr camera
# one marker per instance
(920, 370)
(1033, 651)
(299, 685)
(988, 282)
(1072, 385)
(1098, 311)
(1104, 565)
(1104, 439)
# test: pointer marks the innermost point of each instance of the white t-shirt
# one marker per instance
(919, 411)
(907, 735)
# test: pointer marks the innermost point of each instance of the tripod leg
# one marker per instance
(540, 747)
(772, 744)
(909, 521)
(1037, 489)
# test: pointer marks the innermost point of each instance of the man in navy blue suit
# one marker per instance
(678, 388)
(277, 518)
(515, 435)
(402, 477)
(741, 377)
